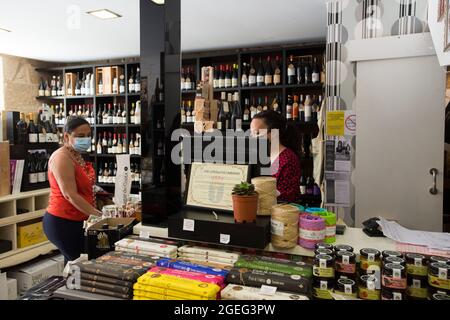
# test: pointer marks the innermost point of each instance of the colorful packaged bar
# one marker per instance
(208, 278)
(153, 254)
(238, 292)
(292, 268)
(120, 272)
(106, 292)
(140, 245)
(208, 252)
(144, 290)
(256, 278)
(187, 266)
(103, 279)
(145, 295)
(202, 289)
(144, 298)
(106, 286)
(214, 265)
(208, 259)
(126, 258)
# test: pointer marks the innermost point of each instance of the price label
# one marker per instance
(188, 225)
(225, 238)
(268, 290)
(144, 234)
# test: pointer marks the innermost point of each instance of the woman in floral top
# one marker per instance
(285, 161)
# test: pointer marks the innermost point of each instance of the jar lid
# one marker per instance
(368, 252)
(345, 255)
(324, 251)
(343, 247)
(440, 270)
(390, 253)
(415, 258)
(324, 260)
(324, 246)
(394, 260)
(346, 285)
(393, 294)
(440, 296)
(395, 270)
(439, 259)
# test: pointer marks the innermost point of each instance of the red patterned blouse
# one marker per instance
(287, 175)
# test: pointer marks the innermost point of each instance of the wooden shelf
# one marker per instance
(23, 195)
(22, 217)
(121, 125)
(112, 95)
(15, 257)
(80, 97)
(278, 87)
(51, 98)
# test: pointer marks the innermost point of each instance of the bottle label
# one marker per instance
(227, 83)
(244, 81)
(234, 82)
(219, 125)
(245, 117)
(41, 176)
(42, 137)
(99, 150)
(276, 79)
(183, 119)
(137, 87)
(33, 138)
(315, 77)
(221, 83)
(131, 87)
(121, 89)
(239, 124)
(137, 119)
(226, 109)
(215, 83)
(252, 114)
(268, 80)
(302, 188)
(252, 80)
(33, 177)
(260, 79)
(100, 89)
(291, 71)
(187, 85)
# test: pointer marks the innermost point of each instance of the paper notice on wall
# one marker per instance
(338, 154)
(123, 180)
(341, 123)
(338, 188)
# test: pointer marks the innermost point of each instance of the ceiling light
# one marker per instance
(104, 14)
(158, 1)
(5, 30)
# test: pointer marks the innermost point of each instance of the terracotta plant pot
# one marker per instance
(245, 208)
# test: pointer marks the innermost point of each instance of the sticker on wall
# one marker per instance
(341, 123)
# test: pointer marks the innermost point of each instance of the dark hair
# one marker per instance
(289, 136)
(73, 122)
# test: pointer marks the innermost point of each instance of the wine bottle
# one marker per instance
(183, 112)
(301, 106)
(252, 109)
(188, 80)
(222, 120)
(302, 185)
(114, 144)
(47, 89)
(260, 74)
(54, 91)
(307, 73)
(59, 86)
(54, 129)
(183, 79)
(137, 113)
(234, 77)
(131, 87)
(268, 77)
(114, 114)
(32, 171)
(300, 72)
(40, 166)
(189, 114)
(100, 173)
(266, 103)
(309, 186)
(41, 92)
(87, 83)
(216, 77)
(252, 74)
(137, 145)
(110, 119)
(291, 70)
(244, 77)
(227, 77)
(289, 108)
(122, 84)
(119, 148)
(124, 143)
(100, 84)
(295, 109)
(131, 144)
(132, 111)
(22, 129)
(161, 92)
(82, 85)
(99, 144)
(277, 72)
(221, 77)
(137, 84)
(124, 115)
(308, 109)
(110, 144)
(246, 115)
(275, 104)
(315, 77)
(33, 136)
(259, 108)
(160, 148)
(236, 117)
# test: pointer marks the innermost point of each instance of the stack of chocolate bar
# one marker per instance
(208, 256)
(189, 266)
(171, 284)
(146, 247)
(112, 274)
(238, 292)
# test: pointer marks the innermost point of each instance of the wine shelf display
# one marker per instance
(110, 102)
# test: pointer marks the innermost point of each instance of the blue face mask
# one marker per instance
(82, 144)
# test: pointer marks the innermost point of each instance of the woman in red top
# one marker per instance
(285, 161)
(71, 190)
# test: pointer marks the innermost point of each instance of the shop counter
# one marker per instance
(354, 237)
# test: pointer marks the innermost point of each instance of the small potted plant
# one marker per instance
(245, 202)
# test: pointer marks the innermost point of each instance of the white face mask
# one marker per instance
(81, 144)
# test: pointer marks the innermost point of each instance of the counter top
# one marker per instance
(354, 237)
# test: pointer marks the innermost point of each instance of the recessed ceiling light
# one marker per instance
(104, 14)
(5, 30)
(158, 1)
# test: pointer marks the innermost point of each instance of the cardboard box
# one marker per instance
(30, 234)
(33, 274)
(12, 289)
(5, 178)
(3, 287)
(101, 241)
(60, 261)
